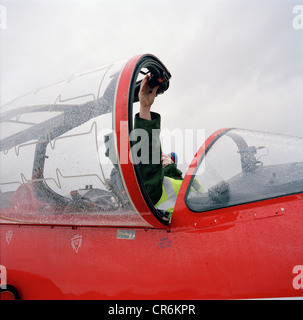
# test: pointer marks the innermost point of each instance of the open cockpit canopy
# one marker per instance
(60, 149)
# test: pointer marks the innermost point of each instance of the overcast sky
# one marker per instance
(233, 63)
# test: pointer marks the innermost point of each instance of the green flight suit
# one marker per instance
(153, 173)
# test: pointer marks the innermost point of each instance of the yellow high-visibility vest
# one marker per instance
(170, 190)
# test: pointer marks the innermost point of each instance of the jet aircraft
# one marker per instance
(77, 223)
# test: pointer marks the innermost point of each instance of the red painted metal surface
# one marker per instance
(232, 254)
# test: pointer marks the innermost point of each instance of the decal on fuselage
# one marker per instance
(9, 236)
(76, 242)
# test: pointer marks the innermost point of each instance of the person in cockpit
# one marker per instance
(162, 179)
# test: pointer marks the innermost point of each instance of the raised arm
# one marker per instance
(146, 98)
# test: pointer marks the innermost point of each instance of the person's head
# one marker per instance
(169, 159)
(174, 157)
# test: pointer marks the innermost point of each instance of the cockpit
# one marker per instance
(66, 155)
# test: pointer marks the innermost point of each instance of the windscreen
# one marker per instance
(244, 166)
(58, 153)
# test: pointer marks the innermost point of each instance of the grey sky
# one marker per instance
(234, 63)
